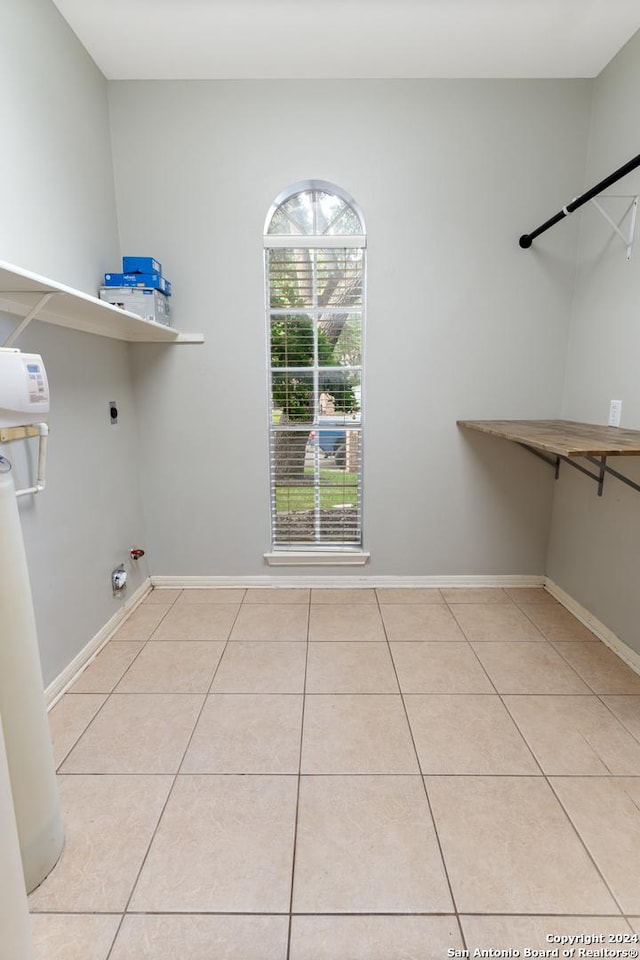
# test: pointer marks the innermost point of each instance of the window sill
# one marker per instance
(329, 558)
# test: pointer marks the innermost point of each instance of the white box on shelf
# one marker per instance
(143, 301)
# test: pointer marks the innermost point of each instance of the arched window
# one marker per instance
(315, 242)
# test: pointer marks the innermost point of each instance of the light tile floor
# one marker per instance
(344, 775)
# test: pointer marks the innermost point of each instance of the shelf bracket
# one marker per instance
(42, 302)
(599, 462)
(630, 237)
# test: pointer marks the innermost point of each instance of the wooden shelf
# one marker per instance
(565, 438)
(21, 291)
(565, 441)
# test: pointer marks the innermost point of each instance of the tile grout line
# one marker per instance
(423, 783)
(108, 694)
(297, 812)
(550, 786)
(144, 859)
(615, 716)
(169, 794)
(546, 778)
(586, 848)
(501, 698)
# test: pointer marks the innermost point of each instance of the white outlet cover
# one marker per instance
(615, 412)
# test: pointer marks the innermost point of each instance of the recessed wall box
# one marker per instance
(24, 390)
(146, 303)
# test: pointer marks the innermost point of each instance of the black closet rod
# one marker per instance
(527, 238)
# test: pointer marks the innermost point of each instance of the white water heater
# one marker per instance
(24, 390)
(24, 400)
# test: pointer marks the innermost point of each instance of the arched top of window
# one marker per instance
(314, 208)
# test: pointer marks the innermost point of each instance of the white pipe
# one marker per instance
(16, 943)
(22, 705)
(41, 482)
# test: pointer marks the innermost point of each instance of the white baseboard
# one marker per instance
(58, 687)
(601, 630)
(69, 675)
(186, 583)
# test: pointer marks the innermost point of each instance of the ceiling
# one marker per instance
(260, 39)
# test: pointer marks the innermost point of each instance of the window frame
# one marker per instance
(315, 550)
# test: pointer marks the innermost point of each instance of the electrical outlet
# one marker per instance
(615, 412)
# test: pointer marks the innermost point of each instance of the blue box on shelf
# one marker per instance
(141, 265)
(153, 281)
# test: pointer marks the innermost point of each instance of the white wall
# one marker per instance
(462, 323)
(58, 219)
(594, 551)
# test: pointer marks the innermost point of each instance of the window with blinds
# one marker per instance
(315, 284)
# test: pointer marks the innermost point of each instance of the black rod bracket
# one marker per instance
(527, 238)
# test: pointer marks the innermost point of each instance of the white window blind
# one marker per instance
(315, 280)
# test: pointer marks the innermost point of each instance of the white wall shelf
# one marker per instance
(34, 297)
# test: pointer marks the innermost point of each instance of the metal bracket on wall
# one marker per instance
(599, 462)
(633, 207)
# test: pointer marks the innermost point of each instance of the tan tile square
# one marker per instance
(198, 621)
(409, 595)
(530, 595)
(467, 735)
(528, 668)
(225, 844)
(367, 845)
(475, 595)
(439, 667)
(277, 621)
(167, 937)
(137, 733)
(343, 595)
(247, 733)
(634, 923)
(420, 621)
(346, 733)
(627, 710)
(341, 621)
(522, 933)
(509, 848)
(277, 595)
(142, 622)
(173, 666)
(373, 938)
(555, 622)
(606, 813)
(103, 673)
(575, 736)
(346, 667)
(212, 595)
(487, 621)
(256, 666)
(162, 595)
(600, 667)
(67, 936)
(109, 822)
(70, 718)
